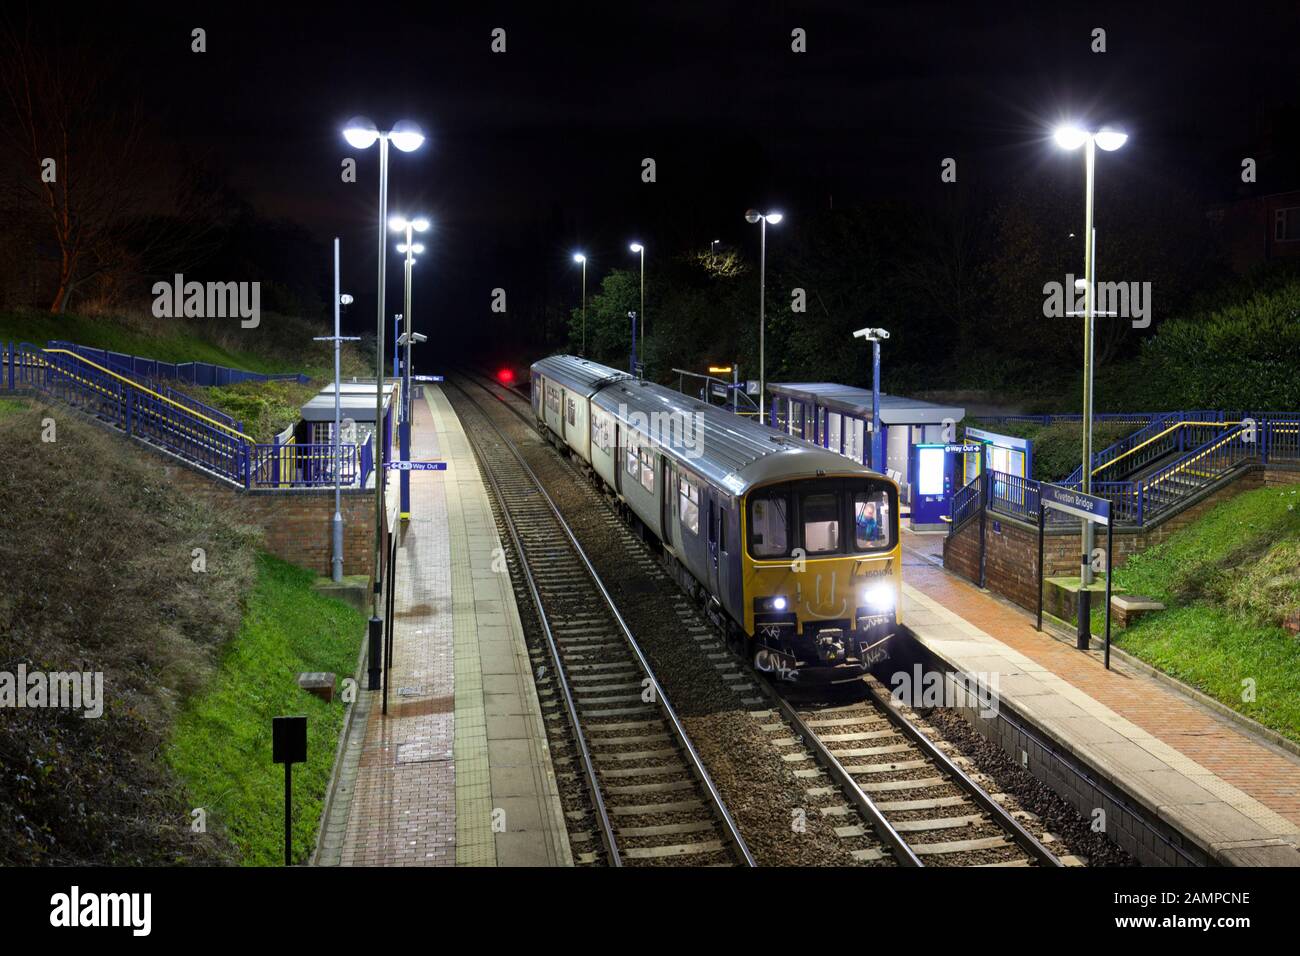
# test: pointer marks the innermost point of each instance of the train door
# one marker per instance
(724, 564)
(713, 543)
(618, 457)
(667, 495)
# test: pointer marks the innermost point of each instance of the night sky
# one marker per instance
(537, 151)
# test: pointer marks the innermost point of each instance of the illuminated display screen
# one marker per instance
(929, 467)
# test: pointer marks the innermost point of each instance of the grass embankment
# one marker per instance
(1230, 581)
(97, 560)
(221, 746)
(11, 406)
(279, 344)
(1058, 448)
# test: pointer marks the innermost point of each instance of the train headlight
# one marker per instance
(778, 604)
(879, 597)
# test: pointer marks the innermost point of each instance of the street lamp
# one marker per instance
(411, 249)
(1071, 137)
(361, 133)
(640, 249)
(579, 257)
(773, 217)
(875, 337)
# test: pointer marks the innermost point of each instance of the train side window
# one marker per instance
(633, 463)
(572, 412)
(647, 468)
(873, 520)
(769, 535)
(688, 497)
(722, 528)
(821, 522)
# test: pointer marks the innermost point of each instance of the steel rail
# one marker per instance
(1001, 815)
(694, 762)
(607, 834)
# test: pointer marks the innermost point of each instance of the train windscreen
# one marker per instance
(822, 517)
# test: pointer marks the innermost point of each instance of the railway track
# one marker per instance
(922, 803)
(891, 791)
(651, 799)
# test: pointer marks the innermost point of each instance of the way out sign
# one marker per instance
(417, 466)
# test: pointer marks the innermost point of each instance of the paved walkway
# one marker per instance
(459, 772)
(1238, 797)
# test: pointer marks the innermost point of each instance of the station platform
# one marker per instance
(459, 772)
(1216, 792)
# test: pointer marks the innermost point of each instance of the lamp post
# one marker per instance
(336, 559)
(580, 258)
(713, 252)
(1071, 138)
(361, 133)
(411, 248)
(640, 249)
(773, 217)
(875, 337)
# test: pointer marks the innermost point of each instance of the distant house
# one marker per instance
(1259, 229)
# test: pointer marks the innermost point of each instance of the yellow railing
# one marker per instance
(1154, 438)
(148, 391)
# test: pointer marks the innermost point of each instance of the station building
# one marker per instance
(838, 417)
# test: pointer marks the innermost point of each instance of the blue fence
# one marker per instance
(1211, 452)
(195, 373)
(121, 401)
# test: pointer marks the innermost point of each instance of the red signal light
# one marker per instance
(505, 376)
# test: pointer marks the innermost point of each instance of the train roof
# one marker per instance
(731, 451)
(894, 409)
(579, 375)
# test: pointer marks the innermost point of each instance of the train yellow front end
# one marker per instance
(822, 571)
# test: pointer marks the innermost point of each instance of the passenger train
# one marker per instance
(793, 548)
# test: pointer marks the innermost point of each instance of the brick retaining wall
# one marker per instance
(296, 523)
(1011, 546)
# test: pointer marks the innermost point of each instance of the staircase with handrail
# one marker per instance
(214, 444)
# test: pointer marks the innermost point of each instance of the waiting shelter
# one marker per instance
(838, 417)
(1005, 453)
(356, 412)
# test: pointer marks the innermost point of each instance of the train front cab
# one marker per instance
(822, 569)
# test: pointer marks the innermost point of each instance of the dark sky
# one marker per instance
(546, 139)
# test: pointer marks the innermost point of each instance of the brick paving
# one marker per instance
(1261, 772)
(403, 809)
(459, 771)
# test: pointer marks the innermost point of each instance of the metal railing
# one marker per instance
(196, 373)
(966, 503)
(121, 400)
(1144, 445)
(303, 466)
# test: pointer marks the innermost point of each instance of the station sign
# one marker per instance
(417, 466)
(720, 390)
(427, 378)
(1074, 502)
(963, 449)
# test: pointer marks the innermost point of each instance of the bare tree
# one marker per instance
(81, 160)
